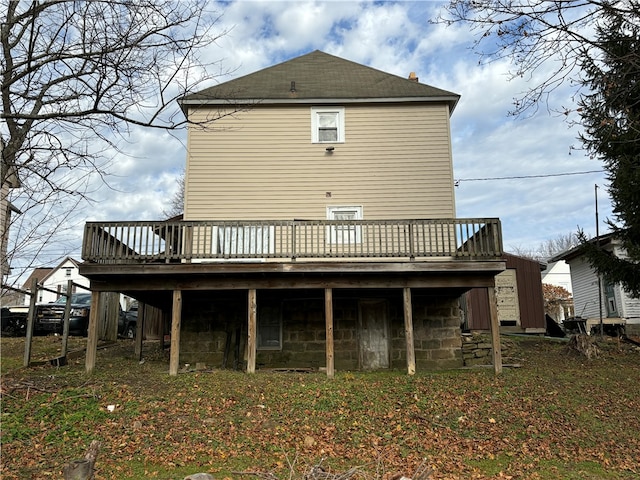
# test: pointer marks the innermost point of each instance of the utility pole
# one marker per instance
(599, 276)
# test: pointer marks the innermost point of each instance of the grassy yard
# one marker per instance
(559, 416)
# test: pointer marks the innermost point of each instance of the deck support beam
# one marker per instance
(92, 333)
(176, 320)
(139, 330)
(65, 325)
(408, 331)
(495, 331)
(328, 313)
(252, 331)
(31, 319)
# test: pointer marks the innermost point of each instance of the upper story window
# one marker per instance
(67, 271)
(327, 125)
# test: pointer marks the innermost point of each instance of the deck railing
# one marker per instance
(184, 241)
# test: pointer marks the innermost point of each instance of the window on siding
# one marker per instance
(344, 232)
(327, 125)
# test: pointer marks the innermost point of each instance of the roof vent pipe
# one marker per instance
(293, 87)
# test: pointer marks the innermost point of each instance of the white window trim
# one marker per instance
(314, 123)
(335, 237)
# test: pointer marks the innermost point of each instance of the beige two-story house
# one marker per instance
(319, 227)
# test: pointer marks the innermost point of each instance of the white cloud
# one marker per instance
(395, 37)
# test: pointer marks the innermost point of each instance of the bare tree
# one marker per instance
(176, 206)
(524, 252)
(558, 244)
(592, 46)
(77, 76)
(548, 248)
(545, 40)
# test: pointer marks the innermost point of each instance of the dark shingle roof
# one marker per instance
(318, 77)
(40, 273)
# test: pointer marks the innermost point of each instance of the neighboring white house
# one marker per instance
(57, 280)
(616, 306)
(558, 274)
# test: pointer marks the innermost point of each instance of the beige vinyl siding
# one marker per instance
(395, 163)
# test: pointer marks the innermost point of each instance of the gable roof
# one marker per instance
(43, 273)
(318, 78)
(40, 273)
(73, 261)
(604, 241)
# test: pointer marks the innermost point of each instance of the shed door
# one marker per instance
(373, 335)
(507, 297)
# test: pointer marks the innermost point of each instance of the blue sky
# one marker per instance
(398, 38)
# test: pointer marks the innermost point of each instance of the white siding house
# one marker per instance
(57, 279)
(558, 274)
(616, 305)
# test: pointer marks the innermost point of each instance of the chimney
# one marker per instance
(412, 77)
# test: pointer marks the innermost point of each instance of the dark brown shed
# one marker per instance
(528, 316)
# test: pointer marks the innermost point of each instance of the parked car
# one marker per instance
(50, 316)
(128, 321)
(13, 320)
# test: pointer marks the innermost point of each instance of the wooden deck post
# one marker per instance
(408, 331)
(176, 320)
(328, 313)
(65, 325)
(92, 333)
(252, 332)
(31, 320)
(140, 331)
(495, 330)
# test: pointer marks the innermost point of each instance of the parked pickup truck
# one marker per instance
(50, 316)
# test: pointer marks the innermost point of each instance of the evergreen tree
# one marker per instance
(611, 118)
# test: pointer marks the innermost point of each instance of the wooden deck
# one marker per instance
(159, 262)
(289, 241)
